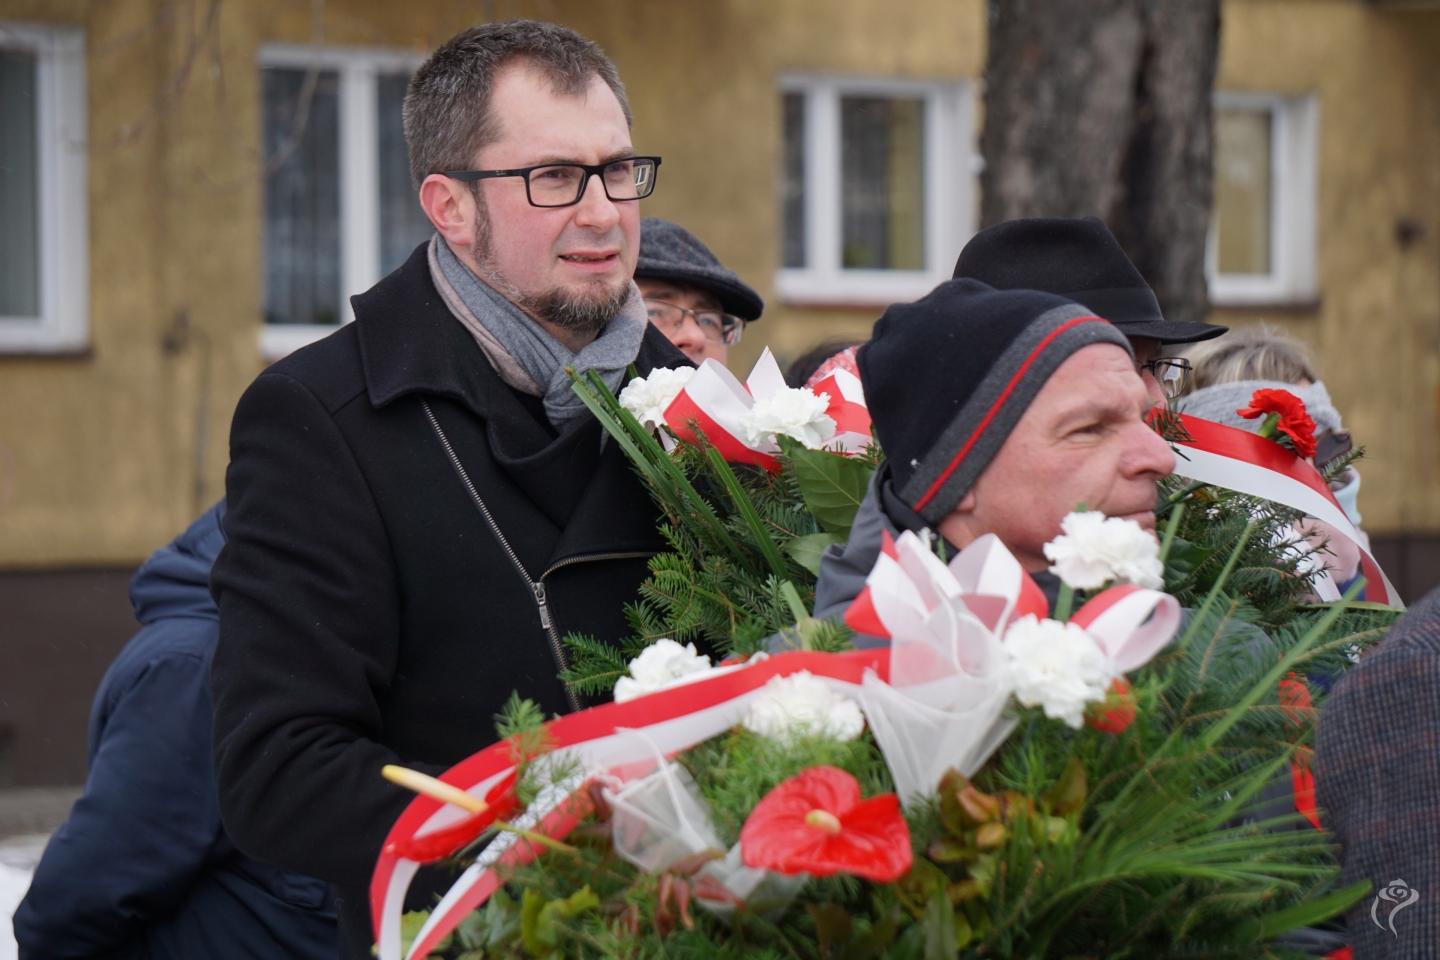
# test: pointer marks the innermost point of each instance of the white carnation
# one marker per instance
(647, 397)
(788, 412)
(801, 703)
(658, 666)
(1094, 549)
(1055, 666)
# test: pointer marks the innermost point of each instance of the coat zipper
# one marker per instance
(537, 587)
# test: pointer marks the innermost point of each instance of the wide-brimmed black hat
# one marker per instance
(1078, 259)
(670, 252)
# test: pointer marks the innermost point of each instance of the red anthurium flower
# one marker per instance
(816, 823)
(1116, 711)
(1291, 419)
(500, 803)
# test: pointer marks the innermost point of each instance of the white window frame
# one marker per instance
(358, 69)
(950, 168)
(63, 324)
(1294, 177)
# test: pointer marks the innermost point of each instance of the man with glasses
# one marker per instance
(695, 300)
(419, 506)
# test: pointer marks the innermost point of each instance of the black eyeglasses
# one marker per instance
(1172, 373)
(718, 326)
(563, 184)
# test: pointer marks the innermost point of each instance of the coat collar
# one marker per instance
(410, 342)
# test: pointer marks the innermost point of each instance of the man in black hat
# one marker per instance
(999, 411)
(1081, 260)
(693, 298)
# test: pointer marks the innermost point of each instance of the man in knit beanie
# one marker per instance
(695, 300)
(999, 411)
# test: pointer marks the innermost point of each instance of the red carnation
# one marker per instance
(816, 823)
(1115, 712)
(1284, 413)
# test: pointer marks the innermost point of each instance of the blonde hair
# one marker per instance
(1261, 353)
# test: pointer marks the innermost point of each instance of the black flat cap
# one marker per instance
(670, 252)
(1078, 259)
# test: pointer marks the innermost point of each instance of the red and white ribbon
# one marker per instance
(847, 408)
(717, 403)
(599, 742)
(1248, 463)
(944, 704)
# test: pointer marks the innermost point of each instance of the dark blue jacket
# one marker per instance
(142, 868)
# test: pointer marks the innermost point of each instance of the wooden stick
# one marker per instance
(430, 787)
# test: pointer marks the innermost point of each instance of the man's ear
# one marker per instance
(451, 209)
(957, 525)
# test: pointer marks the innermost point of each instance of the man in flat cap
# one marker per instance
(695, 300)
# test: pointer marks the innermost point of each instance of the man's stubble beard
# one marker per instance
(587, 312)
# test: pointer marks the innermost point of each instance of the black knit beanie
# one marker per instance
(947, 378)
(1079, 259)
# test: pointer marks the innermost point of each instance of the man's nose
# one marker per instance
(1153, 388)
(1150, 453)
(595, 208)
(688, 337)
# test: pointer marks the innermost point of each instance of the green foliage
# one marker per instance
(736, 535)
(1161, 841)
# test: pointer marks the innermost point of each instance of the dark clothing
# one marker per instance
(1377, 776)
(369, 614)
(142, 868)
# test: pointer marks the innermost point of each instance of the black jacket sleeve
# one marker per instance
(144, 829)
(308, 638)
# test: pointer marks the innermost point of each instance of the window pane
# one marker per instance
(19, 187)
(792, 183)
(403, 225)
(302, 197)
(1242, 191)
(882, 146)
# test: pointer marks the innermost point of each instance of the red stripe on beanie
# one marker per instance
(934, 488)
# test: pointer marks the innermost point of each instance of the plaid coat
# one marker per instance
(1377, 772)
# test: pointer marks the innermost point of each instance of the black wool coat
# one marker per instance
(368, 612)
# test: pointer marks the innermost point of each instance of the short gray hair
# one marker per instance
(1262, 353)
(447, 107)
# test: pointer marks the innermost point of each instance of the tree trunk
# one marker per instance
(1102, 107)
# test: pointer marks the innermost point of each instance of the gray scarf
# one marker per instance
(1219, 402)
(525, 355)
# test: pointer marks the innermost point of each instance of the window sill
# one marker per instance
(858, 289)
(278, 341)
(67, 353)
(1285, 305)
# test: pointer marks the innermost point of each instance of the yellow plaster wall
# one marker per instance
(1376, 331)
(106, 455)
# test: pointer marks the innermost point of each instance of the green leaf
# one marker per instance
(942, 939)
(833, 927)
(541, 919)
(1306, 913)
(833, 486)
(807, 550)
(411, 924)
